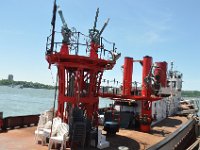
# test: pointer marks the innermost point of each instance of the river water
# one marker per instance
(28, 101)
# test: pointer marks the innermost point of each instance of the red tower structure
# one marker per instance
(79, 75)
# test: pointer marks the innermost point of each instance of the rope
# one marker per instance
(54, 103)
(52, 76)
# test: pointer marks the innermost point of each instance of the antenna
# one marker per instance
(53, 22)
(95, 20)
(94, 33)
(172, 65)
(104, 26)
(65, 30)
(62, 17)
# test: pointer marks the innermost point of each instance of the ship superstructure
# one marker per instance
(169, 105)
(158, 96)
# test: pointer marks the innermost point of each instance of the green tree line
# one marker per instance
(25, 84)
(191, 93)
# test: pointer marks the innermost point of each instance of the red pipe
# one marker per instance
(147, 63)
(64, 49)
(94, 50)
(161, 71)
(61, 87)
(127, 76)
(146, 91)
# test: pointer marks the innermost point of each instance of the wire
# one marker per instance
(52, 76)
(107, 41)
(54, 103)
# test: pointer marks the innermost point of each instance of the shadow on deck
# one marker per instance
(169, 122)
(118, 142)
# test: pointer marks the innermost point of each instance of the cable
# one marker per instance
(52, 76)
(54, 103)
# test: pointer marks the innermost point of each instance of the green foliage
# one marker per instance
(191, 93)
(5, 82)
(25, 84)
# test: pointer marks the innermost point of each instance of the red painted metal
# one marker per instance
(61, 88)
(160, 73)
(93, 50)
(146, 91)
(64, 49)
(127, 75)
(147, 94)
(146, 72)
(145, 128)
(79, 80)
(1, 123)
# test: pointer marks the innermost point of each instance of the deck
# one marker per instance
(23, 139)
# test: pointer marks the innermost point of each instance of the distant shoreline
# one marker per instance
(194, 93)
(36, 85)
(25, 84)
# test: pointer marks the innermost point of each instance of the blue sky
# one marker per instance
(167, 30)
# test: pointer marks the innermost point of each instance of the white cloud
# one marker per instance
(151, 37)
(157, 24)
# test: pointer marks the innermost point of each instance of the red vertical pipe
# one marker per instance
(93, 50)
(147, 63)
(164, 74)
(146, 92)
(61, 89)
(127, 76)
(164, 80)
(64, 49)
(158, 72)
(161, 71)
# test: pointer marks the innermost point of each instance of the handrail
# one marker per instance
(79, 42)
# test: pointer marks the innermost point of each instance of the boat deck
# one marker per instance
(23, 139)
